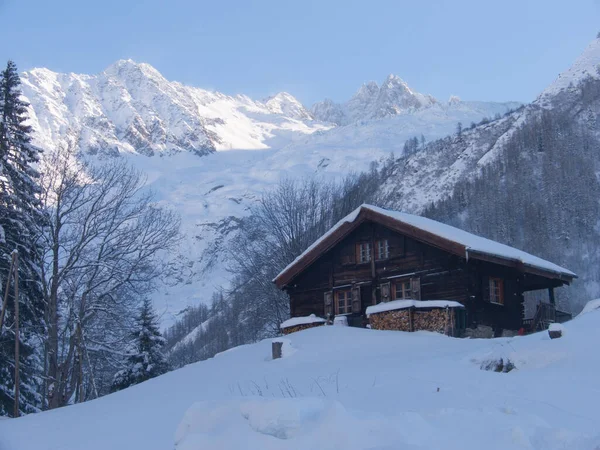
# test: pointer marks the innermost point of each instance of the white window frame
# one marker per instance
(382, 245)
(364, 252)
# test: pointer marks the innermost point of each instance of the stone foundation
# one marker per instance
(439, 320)
(304, 326)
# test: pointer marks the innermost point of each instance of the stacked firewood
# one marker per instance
(438, 320)
(433, 320)
(398, 320)
(301, 327)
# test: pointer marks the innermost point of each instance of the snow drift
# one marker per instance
(349, 388)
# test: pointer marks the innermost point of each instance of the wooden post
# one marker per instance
(551, 296)
(17, 347)
(7, 290)
(276, 349)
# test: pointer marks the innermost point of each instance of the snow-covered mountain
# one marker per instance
(177, 135)
(394, 99)
(132, 108)
(430, 176)
(372, 101)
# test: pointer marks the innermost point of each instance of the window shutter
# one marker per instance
(384, 289)
(328, 300)
(415, 287)
(356, 300)
(485, 291)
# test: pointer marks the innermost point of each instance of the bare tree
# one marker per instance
(102, 251)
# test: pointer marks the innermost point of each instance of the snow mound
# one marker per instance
(353, 389)
(403, 304)
(590, 306)
(259, 424)
(295, 321)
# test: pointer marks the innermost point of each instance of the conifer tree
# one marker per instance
(146, 359)
(20, 217)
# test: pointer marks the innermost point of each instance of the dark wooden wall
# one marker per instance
(443, 276)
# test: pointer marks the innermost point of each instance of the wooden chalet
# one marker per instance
(375, 255)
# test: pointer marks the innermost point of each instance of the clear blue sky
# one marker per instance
(479, 50)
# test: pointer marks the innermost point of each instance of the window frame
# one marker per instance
(496, 291)
(359, 252)
(378, 248)
(404, 282)
(348, 301)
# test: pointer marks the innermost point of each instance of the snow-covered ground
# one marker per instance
(340, 387)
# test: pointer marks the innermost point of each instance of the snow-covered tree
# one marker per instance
(146, 359)
(20, 217)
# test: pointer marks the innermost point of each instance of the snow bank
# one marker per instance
(349, 388)
(471, 242)
(590, 306)
(295, 321)
(403, 304)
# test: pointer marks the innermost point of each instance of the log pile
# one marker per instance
(440, 320)
(398, 320)
(301, 327)
(433, 320)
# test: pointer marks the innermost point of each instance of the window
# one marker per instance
(343, 302)
(497, 291)
(383, 249)
(402, 290)
(363, 252)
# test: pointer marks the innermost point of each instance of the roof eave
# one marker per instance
(566, 277)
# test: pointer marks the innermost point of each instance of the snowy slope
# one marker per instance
(364, 389)
(430, 176)
(586, 66)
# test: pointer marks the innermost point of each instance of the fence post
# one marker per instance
(276, 349)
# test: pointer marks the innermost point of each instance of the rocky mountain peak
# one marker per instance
(372, 101)
(286, 104)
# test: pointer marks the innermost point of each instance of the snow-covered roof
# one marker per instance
(295, 321)
(472, 243)
(404, 304)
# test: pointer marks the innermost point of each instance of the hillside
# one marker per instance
(363, 389)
